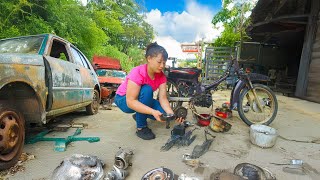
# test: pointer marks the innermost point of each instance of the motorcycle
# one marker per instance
(256, 103)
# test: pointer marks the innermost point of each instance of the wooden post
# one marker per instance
(311, 29)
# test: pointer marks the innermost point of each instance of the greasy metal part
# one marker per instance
(122, 162)
(200, 150)
(251, 171)
(167, 118)
(116, 174)
(181, 112)
(183, 99)
(186, 177)
(292, 162)
(11, 134)
(178, 139)
(188, 160)
(123, 158)
(159, 174)
(79, 167)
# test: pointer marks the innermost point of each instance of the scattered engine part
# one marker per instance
(123, 158)
(167, 118)
(122, 162)
(202, 100)
(251, 171)
(179, 137)
(200, 150)
(186, 177)
(78, 167)
(159, 174)
(116, 174)
(219, 125)
(186, 158)
(181, 112)
(188, 123)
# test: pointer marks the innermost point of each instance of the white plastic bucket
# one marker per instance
(263, 136)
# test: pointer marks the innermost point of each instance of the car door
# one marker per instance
(66, 76)
(87, 74)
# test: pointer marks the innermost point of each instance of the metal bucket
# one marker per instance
(263, 136)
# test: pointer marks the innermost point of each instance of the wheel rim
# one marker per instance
(251, 109)
(11, 135)
(95, 102)
(172, 91)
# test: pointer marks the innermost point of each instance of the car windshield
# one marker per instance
(112, 73)
(29, 45)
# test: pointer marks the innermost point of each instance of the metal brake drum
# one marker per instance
(159, 174)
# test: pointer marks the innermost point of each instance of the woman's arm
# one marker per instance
(132, 94)
(163, 99)
(165, 103)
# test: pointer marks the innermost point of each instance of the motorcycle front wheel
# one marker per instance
(249, 110)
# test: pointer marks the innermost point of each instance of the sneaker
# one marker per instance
(145, 134)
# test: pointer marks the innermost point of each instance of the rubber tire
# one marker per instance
(7, 164)
(178, 103)
(90, 108)
(242, 113)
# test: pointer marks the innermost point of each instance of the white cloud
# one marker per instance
(189, 26)
(172, 46)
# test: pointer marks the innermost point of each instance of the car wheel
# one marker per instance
(93, 107)
(12, 135)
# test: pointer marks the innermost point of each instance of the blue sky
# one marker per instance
(182, 21)
(179, 5)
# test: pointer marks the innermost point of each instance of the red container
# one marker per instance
(223, 114)
(204, 122)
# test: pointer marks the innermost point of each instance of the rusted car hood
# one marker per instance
(112, 80)
(32, 59)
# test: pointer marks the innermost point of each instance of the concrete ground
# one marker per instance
(297, 120)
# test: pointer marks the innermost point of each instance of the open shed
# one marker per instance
(293, 27)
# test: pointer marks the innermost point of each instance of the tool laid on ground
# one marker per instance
(297, 166)
(61, 143)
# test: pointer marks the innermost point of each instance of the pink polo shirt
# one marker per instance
(140, 76)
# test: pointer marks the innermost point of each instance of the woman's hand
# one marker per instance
(180, 120)
(156, 114)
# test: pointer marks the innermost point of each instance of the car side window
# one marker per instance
(84, 60)
(78, 58)
(58, 50)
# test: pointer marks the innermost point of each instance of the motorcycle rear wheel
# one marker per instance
(248, 109)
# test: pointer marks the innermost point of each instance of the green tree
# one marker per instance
(103, 27)
(234, 19)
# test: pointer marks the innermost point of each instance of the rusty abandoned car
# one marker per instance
(41, 77)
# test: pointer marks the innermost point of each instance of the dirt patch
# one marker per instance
(19, 167)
